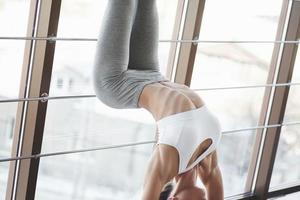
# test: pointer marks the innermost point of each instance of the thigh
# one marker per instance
(144, 37)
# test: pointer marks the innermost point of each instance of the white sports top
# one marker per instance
(186, 131)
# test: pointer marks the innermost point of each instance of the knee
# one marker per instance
(105, 96)
(105, 90)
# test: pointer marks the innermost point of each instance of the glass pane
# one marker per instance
(294, 196)
(226, 65)
(234, 154)
(244, 113)
(296, 73)
(86, 123)
(286, 167)
(240, 20)
(13, 22)
(11, 60)
(11, 52)
(7, 123)
(13, 12)
(3, 178)
(109, 174)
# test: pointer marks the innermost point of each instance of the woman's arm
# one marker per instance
(210, 174)
(161, 169)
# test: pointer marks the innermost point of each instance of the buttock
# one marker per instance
(186, 131)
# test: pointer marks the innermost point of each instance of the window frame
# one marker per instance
(38, 58)
(279, 100)
(187, 51)
(259, 175)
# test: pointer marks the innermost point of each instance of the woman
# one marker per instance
(126, 75)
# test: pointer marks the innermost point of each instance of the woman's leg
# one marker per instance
(112, 48)
(111, 86)
(144, 37)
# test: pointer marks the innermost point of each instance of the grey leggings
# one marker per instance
(126, 57)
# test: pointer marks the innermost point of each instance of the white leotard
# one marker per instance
(186, 131)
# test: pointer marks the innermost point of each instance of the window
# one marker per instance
(101, 152)
(13, 22)
(228, 65)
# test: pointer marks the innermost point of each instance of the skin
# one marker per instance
(186, 187)
(162, 99)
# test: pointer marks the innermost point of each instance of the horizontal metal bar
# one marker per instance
(248, 86)
(76, 151)
(261, 127)
(243, 196)
(224, 132)
(132, 144)
(284, 191)
(168, 41)
(46, 98)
